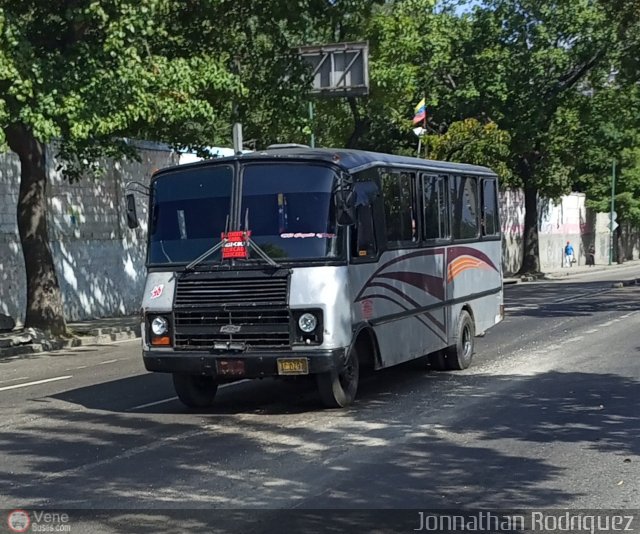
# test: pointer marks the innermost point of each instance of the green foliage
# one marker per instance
(91, 73)
(470, 141)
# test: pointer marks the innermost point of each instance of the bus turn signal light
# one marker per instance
(161, 341)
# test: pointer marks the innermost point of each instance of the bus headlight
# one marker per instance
(307, 322)
(159, 326)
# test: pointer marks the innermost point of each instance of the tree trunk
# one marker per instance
(531, 250)
(44, 299)
(619, 252)
(360, 125)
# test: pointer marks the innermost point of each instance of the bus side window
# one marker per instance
(400, 208)
(464, 203)
(436, 207)
(363, 235)
(490, 224)
(365, 241)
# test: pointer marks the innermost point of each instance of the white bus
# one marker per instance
(299, 261)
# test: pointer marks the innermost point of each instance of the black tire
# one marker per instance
(195, 391)
(459, 355)
(338, 389)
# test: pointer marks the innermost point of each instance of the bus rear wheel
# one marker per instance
(195, 391)
(459, 355)
(338, 389)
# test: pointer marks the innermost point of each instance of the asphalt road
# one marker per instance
(547, 417)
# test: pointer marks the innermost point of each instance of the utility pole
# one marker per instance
(612, 215)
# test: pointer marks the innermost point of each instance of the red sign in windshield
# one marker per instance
(235, 245)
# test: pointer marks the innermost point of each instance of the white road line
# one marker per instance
(149, 404)
(37, 382)
(109, 361)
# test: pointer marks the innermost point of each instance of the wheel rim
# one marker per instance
(467, 344)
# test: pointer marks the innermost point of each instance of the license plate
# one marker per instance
(293, 366)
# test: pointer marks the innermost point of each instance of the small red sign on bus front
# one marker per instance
(236, 245)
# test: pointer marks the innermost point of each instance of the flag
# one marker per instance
(420, 111)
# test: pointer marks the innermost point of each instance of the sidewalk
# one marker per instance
(567, 272)
(21, 341)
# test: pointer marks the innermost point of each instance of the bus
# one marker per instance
(298, 261)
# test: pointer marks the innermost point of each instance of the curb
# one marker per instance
(25, 344)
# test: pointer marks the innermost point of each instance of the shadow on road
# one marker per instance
(541, 300)
(397, 447)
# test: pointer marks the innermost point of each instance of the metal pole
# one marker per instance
(424, 126)
(613, 208)
(237, 138)
(312, 140)
(419, 145)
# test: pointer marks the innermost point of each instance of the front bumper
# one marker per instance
(256, 365)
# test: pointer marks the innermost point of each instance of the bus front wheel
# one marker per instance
(338, 389)
(195, 391)
(459, 355)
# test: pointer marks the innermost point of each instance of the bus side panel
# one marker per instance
(401, 296)
(325, 288)
(474, 278)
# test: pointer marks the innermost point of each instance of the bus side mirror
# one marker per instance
(132, 215)
(346, 207)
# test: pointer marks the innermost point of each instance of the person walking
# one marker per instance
(568, 255)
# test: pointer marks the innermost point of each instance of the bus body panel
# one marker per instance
(474, 279)
(157, 297)
(388, 293)
(327, 289)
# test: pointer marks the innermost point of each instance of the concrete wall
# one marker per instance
(560, 221)
(100, 262)
(512, 220)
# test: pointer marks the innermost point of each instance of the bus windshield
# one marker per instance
(288, 208)
(189, 212)
(290, 211)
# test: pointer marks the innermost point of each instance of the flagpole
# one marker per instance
(424, 125)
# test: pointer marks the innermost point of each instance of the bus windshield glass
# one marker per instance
(290, 211)
(189, 213)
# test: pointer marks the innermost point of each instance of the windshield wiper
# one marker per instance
(252, 245)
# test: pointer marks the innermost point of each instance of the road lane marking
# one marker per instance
(149, 404)
(109, 361)
(37, 382)
(170, 399)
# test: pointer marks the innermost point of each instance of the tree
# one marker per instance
(548, 51)
(470, 141)
(610, 130)
(88, 74)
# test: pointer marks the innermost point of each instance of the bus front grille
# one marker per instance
(197, 291)
(255, 329)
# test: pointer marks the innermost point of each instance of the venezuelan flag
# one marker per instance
(420, 111)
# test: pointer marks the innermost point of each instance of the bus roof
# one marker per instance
(350, 160)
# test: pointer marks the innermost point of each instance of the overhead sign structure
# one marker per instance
(340, 69)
